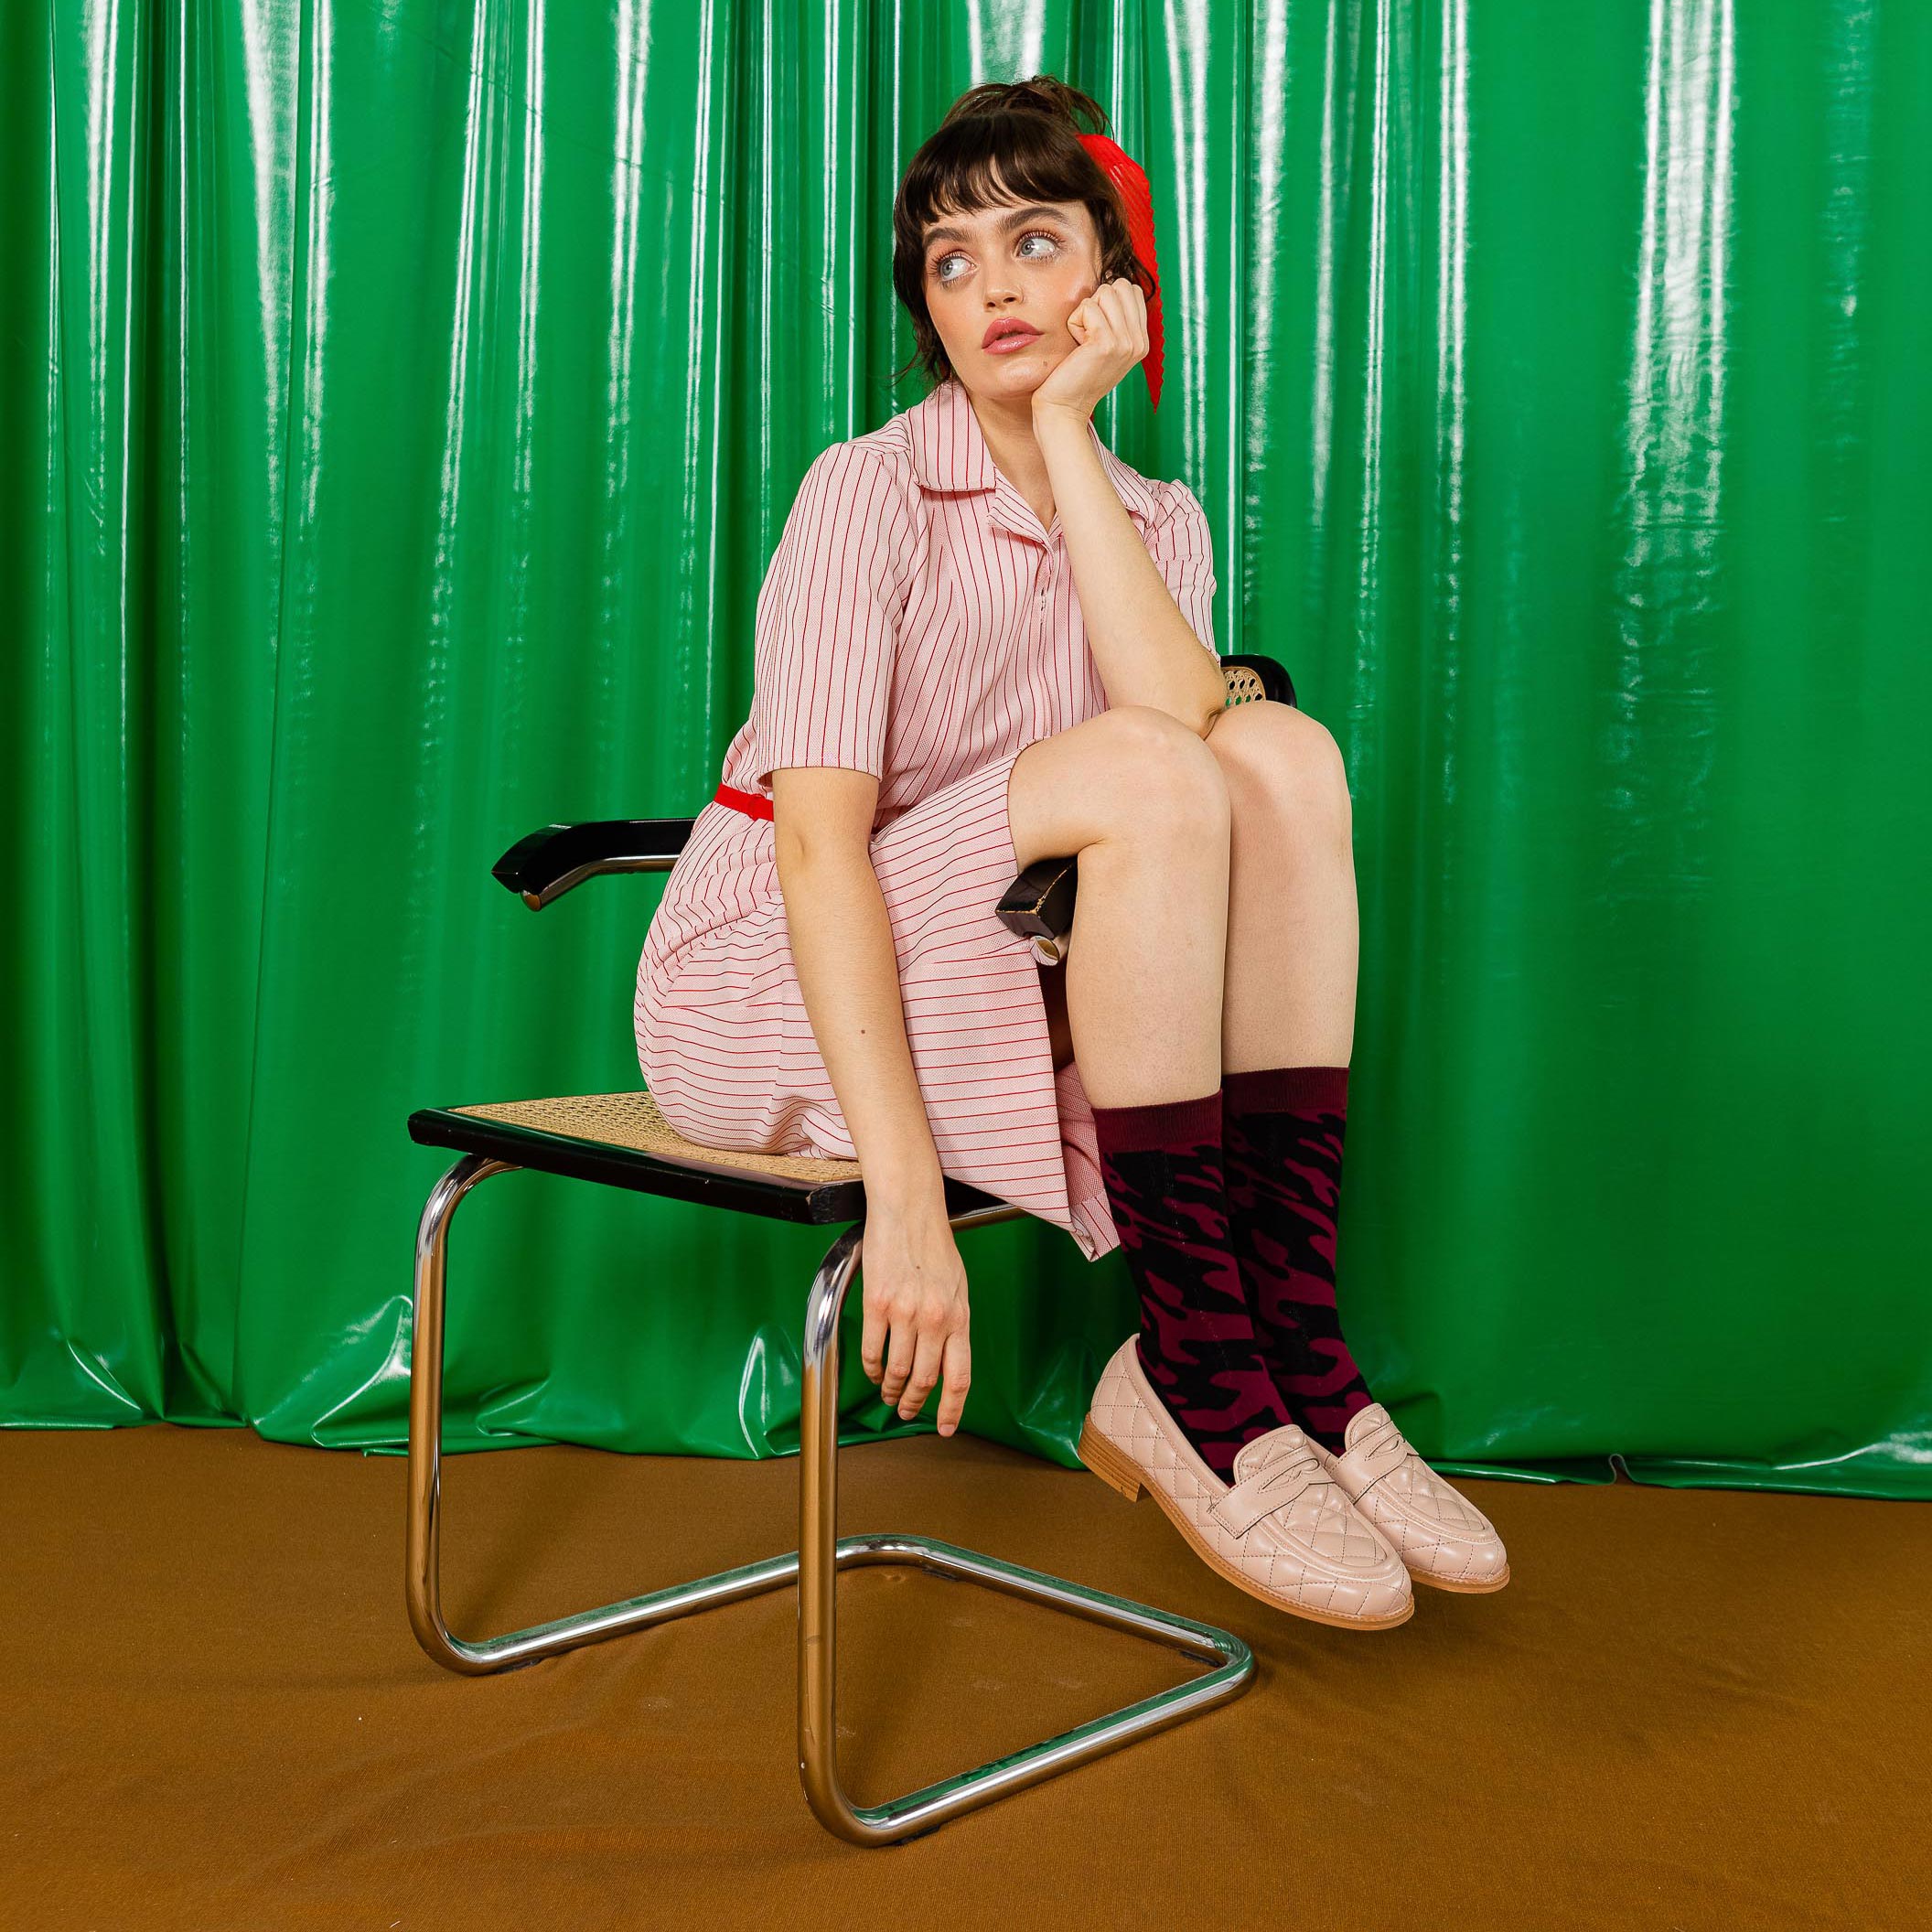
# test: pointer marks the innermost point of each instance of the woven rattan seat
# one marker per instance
(623, 1139)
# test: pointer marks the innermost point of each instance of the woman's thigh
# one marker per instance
(1103, 776)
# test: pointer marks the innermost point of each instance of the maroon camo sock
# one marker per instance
(1284, 1129)
(1197, 1344)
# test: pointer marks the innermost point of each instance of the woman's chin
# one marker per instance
(1014, 376)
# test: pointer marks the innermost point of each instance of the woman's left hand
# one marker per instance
(1111, 327)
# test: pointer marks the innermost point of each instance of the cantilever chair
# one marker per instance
(621, 1141)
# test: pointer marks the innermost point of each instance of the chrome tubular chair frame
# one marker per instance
(821, 1554)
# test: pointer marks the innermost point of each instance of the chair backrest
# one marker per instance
(1251, 674)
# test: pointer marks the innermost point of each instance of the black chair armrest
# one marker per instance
(546, 864)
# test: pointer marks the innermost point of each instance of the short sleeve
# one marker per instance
(1182, 547)
(828, 618)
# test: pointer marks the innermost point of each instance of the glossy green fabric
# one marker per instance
(398, 406)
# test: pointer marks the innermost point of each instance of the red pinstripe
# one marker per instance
(916, 622)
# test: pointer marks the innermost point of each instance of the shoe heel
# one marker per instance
(1106, 1463)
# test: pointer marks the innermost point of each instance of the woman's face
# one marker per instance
(1012, 274)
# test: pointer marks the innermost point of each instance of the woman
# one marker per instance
(985, 640)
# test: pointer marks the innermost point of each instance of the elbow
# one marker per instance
(799, 848)
(821, 815)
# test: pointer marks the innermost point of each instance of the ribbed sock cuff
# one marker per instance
(1159, 1124)
(1286, 1089)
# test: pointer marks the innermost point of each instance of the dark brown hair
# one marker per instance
(1003, 142)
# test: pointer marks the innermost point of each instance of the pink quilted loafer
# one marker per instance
(1439, 1533)
(1283, 1531)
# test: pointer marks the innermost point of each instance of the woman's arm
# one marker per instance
(915, 1282)
(1145, 651)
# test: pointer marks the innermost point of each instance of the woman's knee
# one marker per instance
(1283, 759)
(1132, 772)
(1160, 773)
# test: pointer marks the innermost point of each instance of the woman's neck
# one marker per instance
(1007, 422)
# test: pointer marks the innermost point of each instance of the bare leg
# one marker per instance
(1293, 943)
(1139, 799)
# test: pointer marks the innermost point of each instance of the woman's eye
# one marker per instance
(944, 263)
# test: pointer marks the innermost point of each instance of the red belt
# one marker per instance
(748, 802)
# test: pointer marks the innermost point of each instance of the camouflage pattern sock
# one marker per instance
(1197, 1344)
(1285, 1128)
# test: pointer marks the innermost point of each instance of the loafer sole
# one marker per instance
(1121, 1473)
(1437, 1583)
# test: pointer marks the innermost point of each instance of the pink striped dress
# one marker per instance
(917, 623)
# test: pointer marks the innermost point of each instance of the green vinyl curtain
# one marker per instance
(399, 402)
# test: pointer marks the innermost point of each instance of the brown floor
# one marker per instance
(1689, 1708)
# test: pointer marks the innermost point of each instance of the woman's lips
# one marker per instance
(1012, 337)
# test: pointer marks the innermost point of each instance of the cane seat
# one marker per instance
(623, 1139)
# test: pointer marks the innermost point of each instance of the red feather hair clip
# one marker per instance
(1130, 182)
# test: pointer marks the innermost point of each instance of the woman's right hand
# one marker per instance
(916, 1321)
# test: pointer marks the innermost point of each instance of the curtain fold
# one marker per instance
(399, 404)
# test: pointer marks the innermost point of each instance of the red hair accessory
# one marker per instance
(1130, 182)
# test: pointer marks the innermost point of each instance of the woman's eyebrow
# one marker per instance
(1032, 211)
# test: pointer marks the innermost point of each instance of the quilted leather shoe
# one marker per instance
(1440, 1534)
(1283, 1531)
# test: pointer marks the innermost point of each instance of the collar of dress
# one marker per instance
(950, 452)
